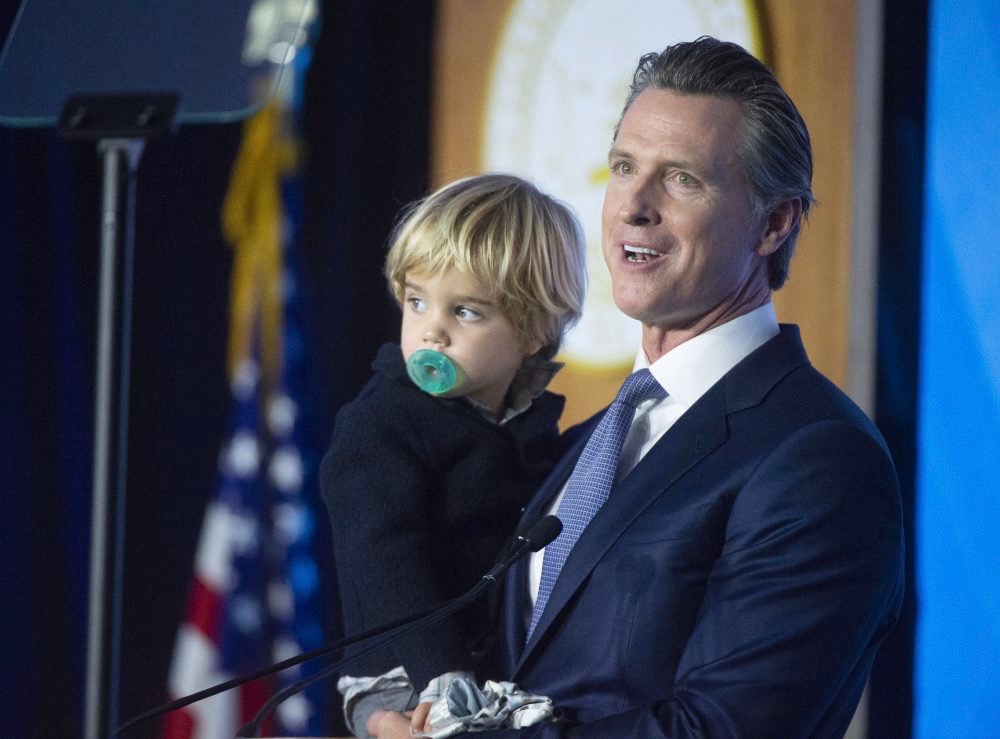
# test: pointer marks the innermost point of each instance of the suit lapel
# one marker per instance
(701, 430)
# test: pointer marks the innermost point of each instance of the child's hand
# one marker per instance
(419, 721)
(389, 725)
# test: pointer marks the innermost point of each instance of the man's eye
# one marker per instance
(685, 179)
(622, 168)
(467, 314)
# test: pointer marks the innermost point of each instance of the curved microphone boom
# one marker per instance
(538, 536)
(528, 538)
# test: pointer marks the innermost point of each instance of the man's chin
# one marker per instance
(636, 307)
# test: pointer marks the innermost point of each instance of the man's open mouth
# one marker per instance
(640, 253)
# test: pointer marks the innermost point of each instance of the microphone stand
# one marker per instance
(252, 727)
(539, 535)
(298, 659)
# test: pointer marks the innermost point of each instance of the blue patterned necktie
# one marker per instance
(591, 481)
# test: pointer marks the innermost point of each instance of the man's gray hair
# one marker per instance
(775, 154)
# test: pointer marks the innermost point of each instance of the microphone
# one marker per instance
(538, 536)
(527, 538)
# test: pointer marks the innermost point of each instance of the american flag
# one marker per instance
(255, 597)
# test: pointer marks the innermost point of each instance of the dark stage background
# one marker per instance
(366, 133)
(366, 129)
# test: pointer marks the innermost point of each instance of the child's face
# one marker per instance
(452, 313)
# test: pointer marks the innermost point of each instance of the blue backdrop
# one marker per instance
(957, 688)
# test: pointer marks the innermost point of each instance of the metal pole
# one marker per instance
(111, 150)
(117, 541)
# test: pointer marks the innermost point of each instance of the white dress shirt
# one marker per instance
(686, 372)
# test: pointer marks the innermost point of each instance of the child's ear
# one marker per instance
(531, 346)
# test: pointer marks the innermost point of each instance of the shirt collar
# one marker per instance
(529, 382)
(687, 371)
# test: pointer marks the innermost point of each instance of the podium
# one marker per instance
(117, 74)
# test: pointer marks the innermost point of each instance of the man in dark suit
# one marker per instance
(737, 571)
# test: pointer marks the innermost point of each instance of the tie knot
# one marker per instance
(639, 386)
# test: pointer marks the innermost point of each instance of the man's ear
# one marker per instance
(778, 224)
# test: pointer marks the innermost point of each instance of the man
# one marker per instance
(747, 560)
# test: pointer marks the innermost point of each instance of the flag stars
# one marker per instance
(245, 614)
(281, 414)
(281, 601)
(243, 455)
(286, 469)
(294, 713)
(285, 648)
(290, 522)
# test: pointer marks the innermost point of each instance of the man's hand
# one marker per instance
(389, 725)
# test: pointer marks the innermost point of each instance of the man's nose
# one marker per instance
(638, 205)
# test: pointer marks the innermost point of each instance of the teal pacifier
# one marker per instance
(433, 372)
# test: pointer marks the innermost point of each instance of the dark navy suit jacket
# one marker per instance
(737, 582)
